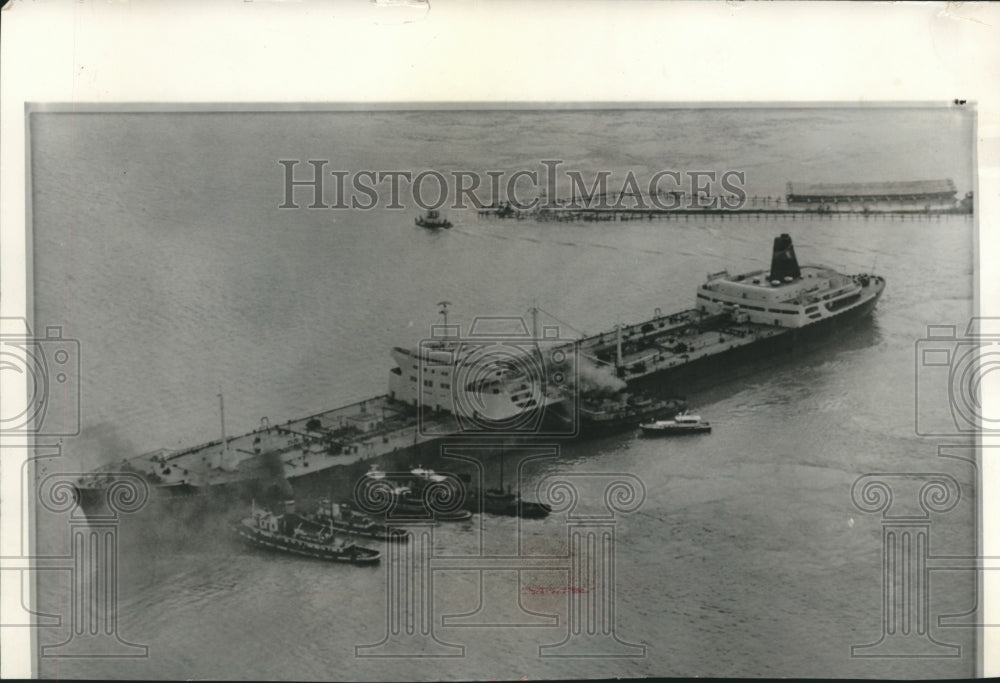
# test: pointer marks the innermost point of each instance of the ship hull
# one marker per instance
(314, 483)
(419, 512)
(218, 497)
(597, 427)
(388, 534)
(677, 430)
(505, 506)
(696, 375)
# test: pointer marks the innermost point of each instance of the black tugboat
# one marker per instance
(341, 517)
(292, 533)
(509, 504)
(433, 220)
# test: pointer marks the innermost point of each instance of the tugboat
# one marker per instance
(681, 424)
(292, 533)
(433, 220)
(491, 501)
(409, 507)
(500, 502)
(413, 507)
(341, 517)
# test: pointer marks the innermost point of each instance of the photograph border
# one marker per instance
(95, 56)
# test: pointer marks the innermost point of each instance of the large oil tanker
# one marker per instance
(448, 389)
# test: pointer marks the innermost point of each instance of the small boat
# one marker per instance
(294, 534)
(681, 423)
(433, 220)
(341, 517)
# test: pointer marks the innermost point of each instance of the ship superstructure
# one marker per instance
(439, 376)
(786, 295)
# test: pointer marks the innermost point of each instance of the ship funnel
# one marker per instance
(783, 261)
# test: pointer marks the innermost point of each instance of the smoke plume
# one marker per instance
(597, 379)
(273, 482)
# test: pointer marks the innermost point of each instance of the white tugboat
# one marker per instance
(680, 424)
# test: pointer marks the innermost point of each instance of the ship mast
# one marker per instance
(444, 311)
(224, 458)
(222, 420)
(618, 346)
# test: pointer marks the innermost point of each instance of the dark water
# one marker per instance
(159, 245)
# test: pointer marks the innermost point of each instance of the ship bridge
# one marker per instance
(787, 295)
(447, 375)
(757, 287)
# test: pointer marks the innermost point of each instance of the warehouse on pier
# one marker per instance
(919, 195)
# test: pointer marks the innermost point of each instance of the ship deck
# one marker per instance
(667, 341)
(341, 436)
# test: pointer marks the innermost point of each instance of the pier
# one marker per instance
(892, 201)
(596, 215)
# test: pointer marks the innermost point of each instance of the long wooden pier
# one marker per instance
(601, 214)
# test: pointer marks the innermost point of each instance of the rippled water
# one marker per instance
(159, 245)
